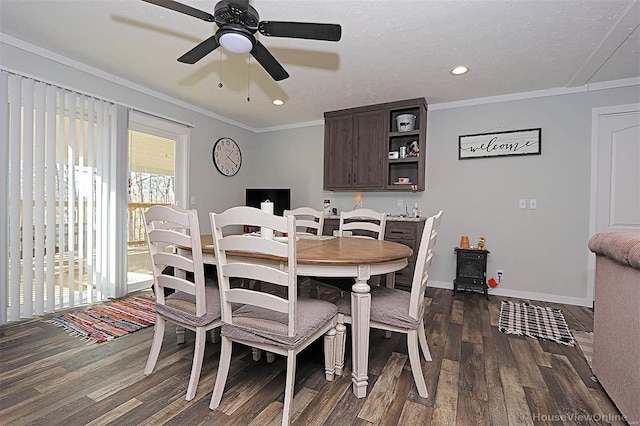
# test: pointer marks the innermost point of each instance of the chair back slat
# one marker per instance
(423, 262)
(169, 229)
(363, 220)
(265, 300)
(169, 236)
(307, 219)
(173, 260)
(254, 244)
(257, 272)
(279, 266)
(176, 283)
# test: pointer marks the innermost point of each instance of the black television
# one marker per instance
(280, 197)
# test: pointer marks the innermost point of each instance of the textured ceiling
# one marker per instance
(390, 50)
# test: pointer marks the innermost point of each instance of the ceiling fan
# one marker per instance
(238, 22)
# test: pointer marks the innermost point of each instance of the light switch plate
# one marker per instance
(522, 203)
(533, 204)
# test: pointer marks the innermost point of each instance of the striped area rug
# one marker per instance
(106, 322)
(539, 322)
(584, 339)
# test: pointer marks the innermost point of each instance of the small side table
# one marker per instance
(471, 270)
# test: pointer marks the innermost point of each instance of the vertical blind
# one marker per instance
(60, 243)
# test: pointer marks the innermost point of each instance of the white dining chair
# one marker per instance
(363, 222)
(360, 223)
(194, 305)
(308, 220)
(400, 311)
(284, 324)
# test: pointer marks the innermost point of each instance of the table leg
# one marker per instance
(360, 311)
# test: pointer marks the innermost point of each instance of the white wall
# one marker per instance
(543, 252)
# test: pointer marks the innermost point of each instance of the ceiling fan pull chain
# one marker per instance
(220, 72)
(249, 81)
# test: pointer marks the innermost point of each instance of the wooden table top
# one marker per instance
(339, 250)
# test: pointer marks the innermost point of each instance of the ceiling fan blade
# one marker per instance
(200, 51)
(268, 62)
(183, 8)
(329, 32)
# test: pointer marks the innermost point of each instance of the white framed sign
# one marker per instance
(500, 144)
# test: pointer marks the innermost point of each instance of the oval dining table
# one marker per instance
(359, 258)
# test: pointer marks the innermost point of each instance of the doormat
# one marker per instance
(106, 322)
(584, 339)
(525, 319)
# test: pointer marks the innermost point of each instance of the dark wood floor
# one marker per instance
(478, 376)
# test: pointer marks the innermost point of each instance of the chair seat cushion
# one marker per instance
(256, 324)
(388, 306)
(181, 307)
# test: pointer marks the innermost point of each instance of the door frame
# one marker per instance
(149, 124)
(145, 123)
(596, 114)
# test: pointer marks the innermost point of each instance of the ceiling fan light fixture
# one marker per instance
(278, 102)
(236, 43)
(459, 70)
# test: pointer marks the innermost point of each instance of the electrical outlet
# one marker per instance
(522, 203)
(400, 203)
(499, 274)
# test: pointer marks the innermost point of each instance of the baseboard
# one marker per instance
(543, 297)
(139, 286)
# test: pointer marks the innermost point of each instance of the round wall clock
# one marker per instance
(226, 156)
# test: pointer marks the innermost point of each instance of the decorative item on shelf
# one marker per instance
(464, 242)
(403, 152)
(327, 207)
(394, 155)
(405, 122)
(413, 149)
(481, 242)
(404, 180)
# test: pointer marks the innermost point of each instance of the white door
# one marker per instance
(615, 171)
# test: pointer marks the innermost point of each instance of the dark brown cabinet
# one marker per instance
(359, 142)
(405, 232)
(354, 146)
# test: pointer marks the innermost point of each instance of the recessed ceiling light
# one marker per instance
(278, 102)
(460, 69)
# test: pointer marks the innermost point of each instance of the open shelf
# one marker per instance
(412, 165)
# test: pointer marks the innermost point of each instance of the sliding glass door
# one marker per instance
(59, 152)
(156, 175)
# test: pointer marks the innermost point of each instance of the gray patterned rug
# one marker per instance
(539, 322)
(584, 339)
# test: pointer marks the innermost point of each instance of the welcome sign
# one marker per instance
(500, 144)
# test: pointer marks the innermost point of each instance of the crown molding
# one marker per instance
(635, 81)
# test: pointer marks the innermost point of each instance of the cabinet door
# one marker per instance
(338, 152)
(369, 129)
